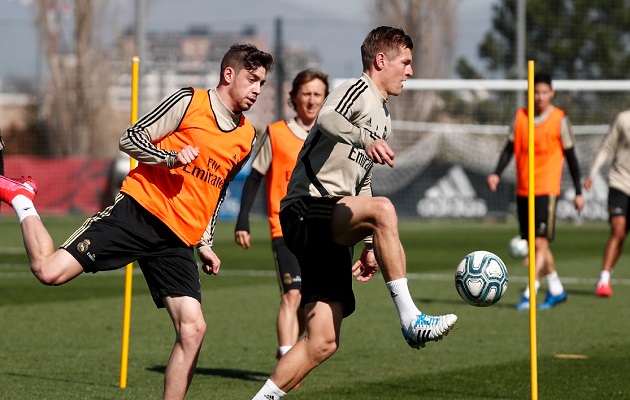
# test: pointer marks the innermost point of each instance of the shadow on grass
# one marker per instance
(243, 375)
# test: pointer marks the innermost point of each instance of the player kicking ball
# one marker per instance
(329, 208)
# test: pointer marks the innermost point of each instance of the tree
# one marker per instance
(431, 25)
(75, 112)
(571, 39)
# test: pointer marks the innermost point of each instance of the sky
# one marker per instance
(334, 28)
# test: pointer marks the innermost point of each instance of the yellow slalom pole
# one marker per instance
(531, 206)
(124, 358)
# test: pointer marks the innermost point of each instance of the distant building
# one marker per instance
(175, 60)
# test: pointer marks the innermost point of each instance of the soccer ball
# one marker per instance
(481, 278)
(518, 248)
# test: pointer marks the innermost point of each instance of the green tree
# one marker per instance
(571, 39)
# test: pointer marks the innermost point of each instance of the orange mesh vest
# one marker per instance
(186, 198)
(548, 153)
(285, 147)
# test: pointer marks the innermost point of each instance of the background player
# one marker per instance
(616, 144)
(553, 142)
(275, 160)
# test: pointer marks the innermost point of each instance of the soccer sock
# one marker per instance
(269, 392)
(23, 207)
(283, 350)
(554, 284)
(526, 292)
(604, 276)
(407, 310)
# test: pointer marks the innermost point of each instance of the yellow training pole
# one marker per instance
(530, 234)
(124, 358)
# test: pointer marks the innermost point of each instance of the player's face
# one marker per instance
(309, 99)
(543, 94)
(396, 71)
(245, 88)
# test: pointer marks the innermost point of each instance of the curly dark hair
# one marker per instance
(246, 56)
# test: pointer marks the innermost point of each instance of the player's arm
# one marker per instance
(366, 266)
(260, 166)
(606, 149)
(138, 140)
(504, 159)
(338, 117)
(568, 147)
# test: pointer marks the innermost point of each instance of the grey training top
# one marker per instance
(333, 161)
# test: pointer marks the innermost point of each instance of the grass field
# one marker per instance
(64, 342)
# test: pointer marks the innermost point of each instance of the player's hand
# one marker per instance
(380, 152)
(211, 262)
(493, 181)
(365, 267)
(186, 155)
(579, 203)
(242, 238)
(588, 183)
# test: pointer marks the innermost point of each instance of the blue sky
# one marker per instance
(335, 28)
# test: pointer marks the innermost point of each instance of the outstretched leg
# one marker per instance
(190, 329)
(49, 266)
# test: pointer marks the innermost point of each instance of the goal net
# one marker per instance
(448, 135)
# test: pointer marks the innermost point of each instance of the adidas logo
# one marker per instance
(393, 294)
(423, 335)
(452, 196)
(270, 397)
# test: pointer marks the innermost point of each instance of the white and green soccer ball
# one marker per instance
(481, 278)
(518, 247)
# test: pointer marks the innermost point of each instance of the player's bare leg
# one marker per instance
(50, 267)
(288, 320)
(353, 219)
(190, 329)
(323, 326)
(613, 249)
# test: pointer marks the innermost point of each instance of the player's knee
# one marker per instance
(619, 232)
(291, 299)
(384, 211)
(324, 350)
(192, 333)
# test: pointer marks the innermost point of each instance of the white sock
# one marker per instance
(23, 207)
(283, 350)
(554, 284)
(269, 392)
(407, 310)
(604, 276)
(526, 292)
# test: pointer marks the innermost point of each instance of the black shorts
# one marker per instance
(287, 267)
(326, 266)
(126, 232)
(544, 218)
(618, 205)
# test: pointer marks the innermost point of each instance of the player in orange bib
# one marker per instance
(553, 142)
(275, 160)
(189, 148)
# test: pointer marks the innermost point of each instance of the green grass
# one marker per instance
(64, 342)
